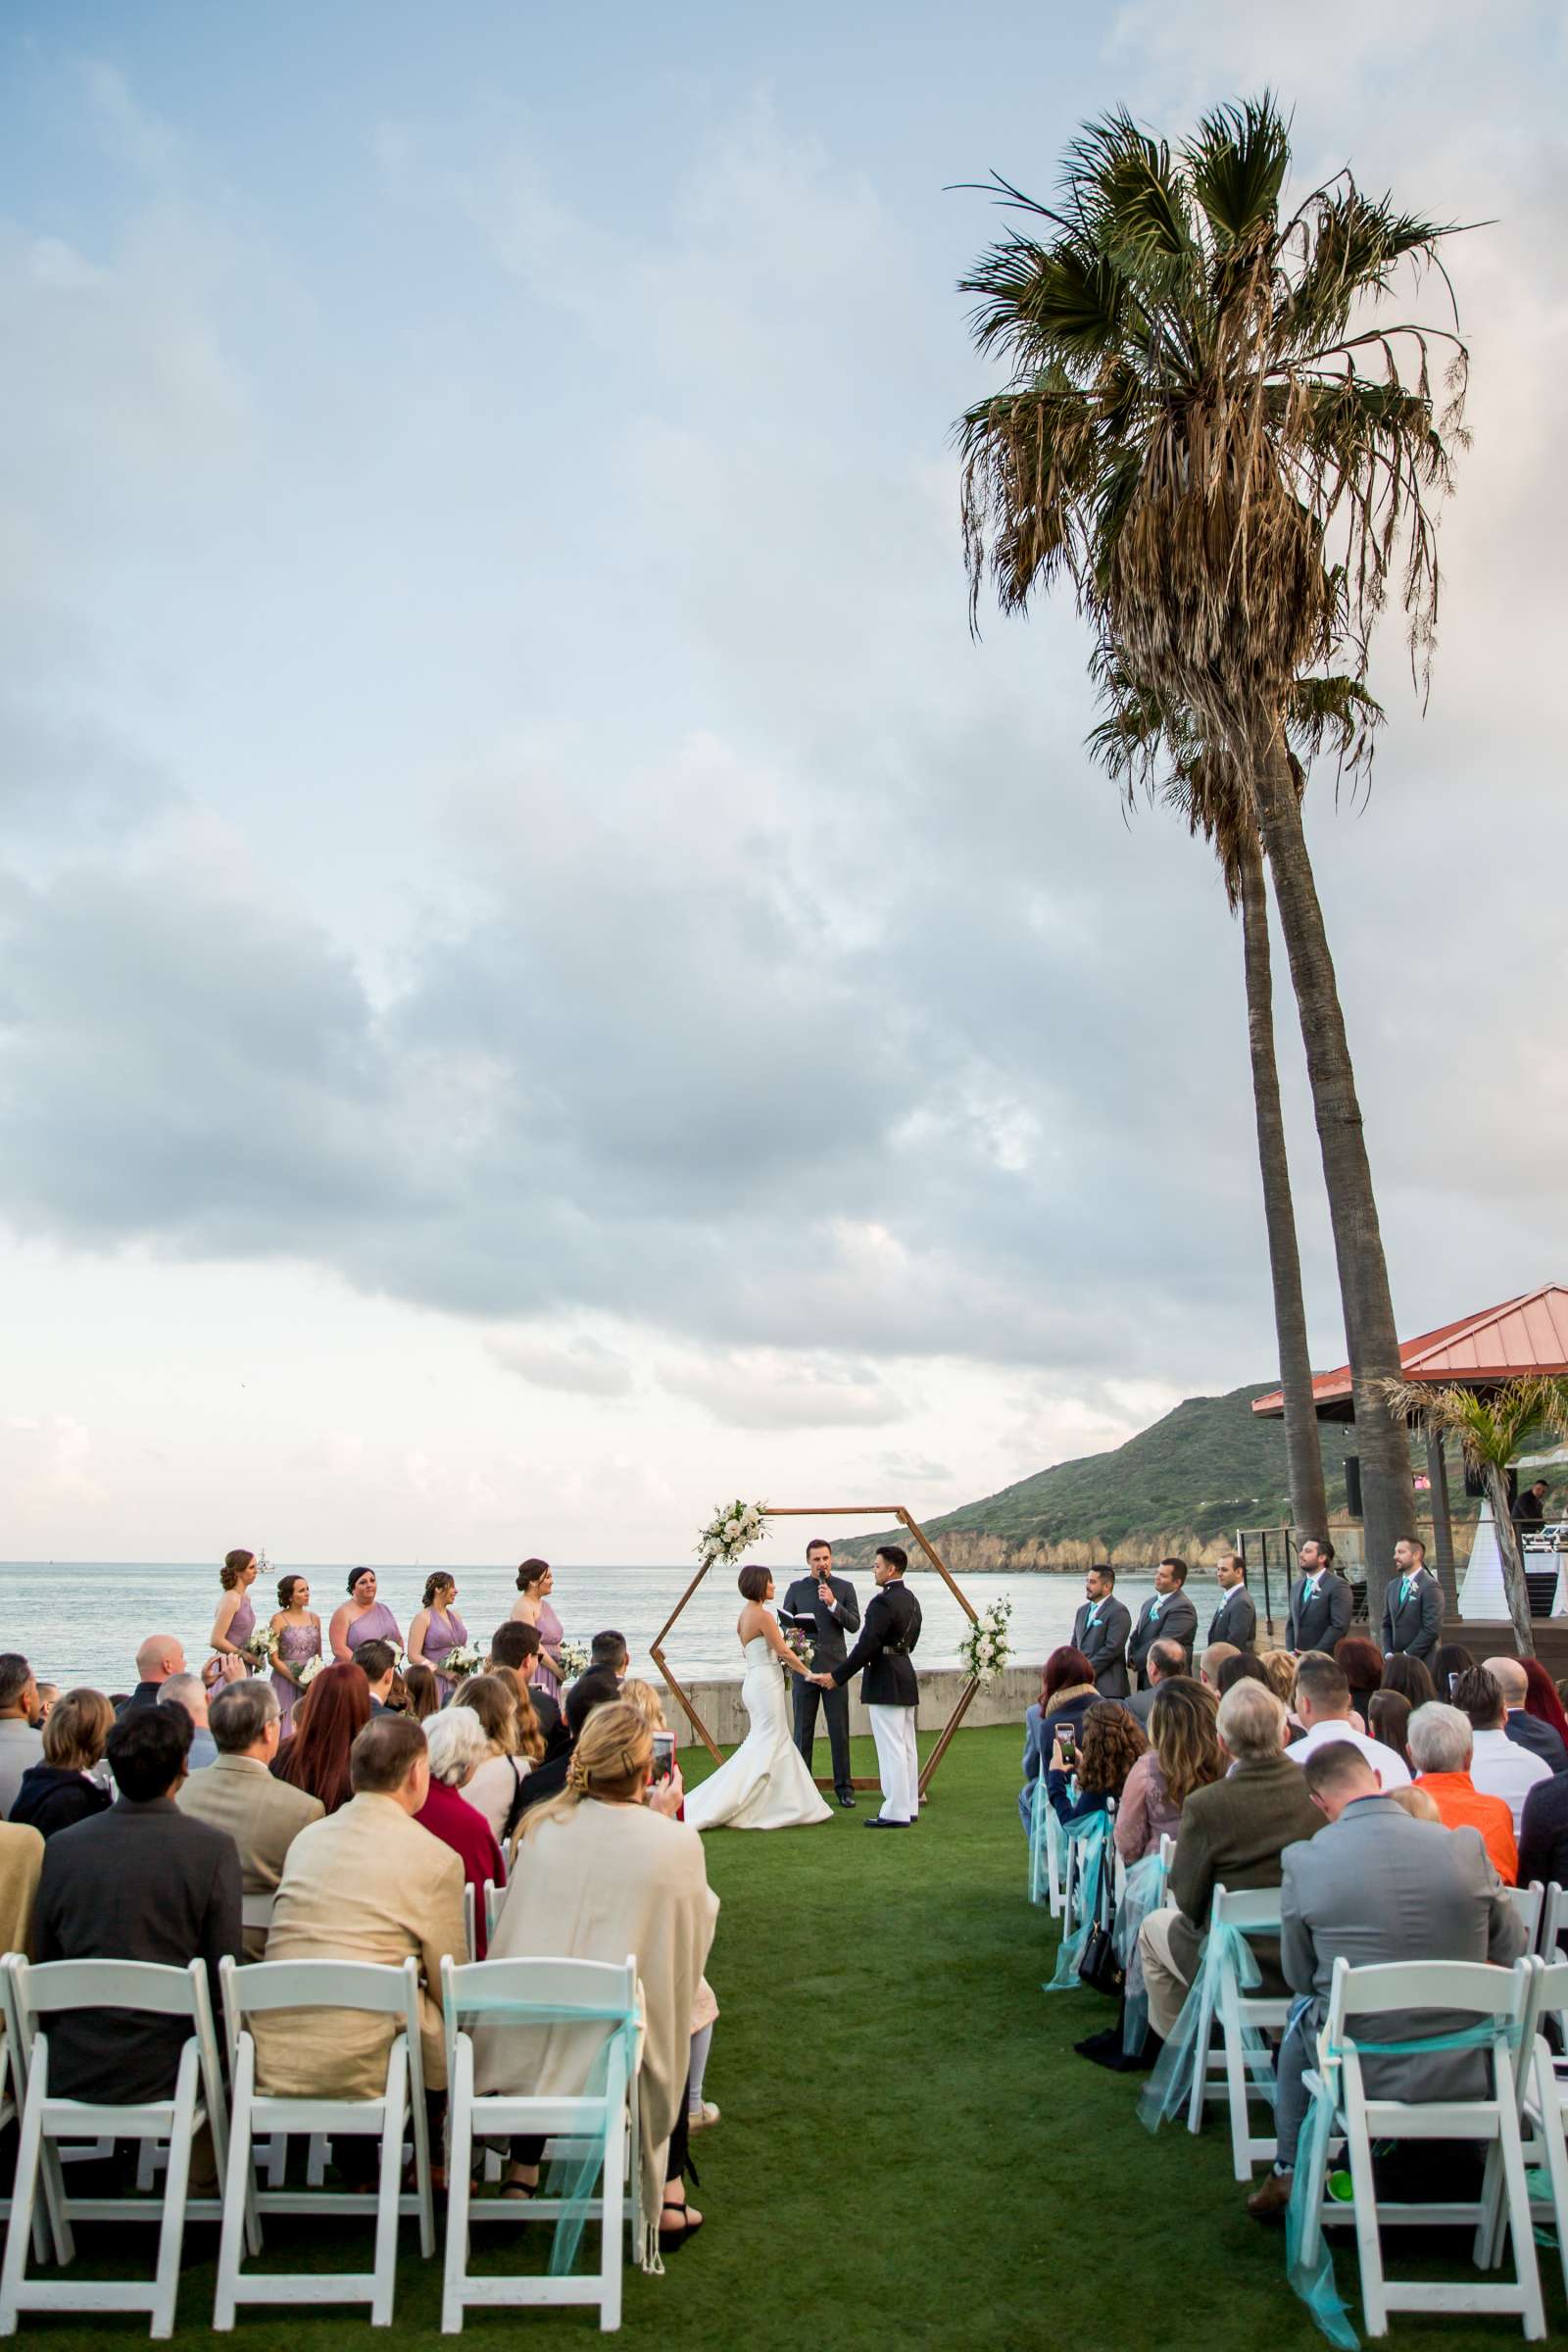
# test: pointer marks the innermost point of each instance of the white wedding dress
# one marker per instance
(765, 1786)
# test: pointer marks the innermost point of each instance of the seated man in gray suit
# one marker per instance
(1320, 1605)
(1412, 1612)
(1166, 1659)
(1100, 1631)
(1235, 1619)
(1166, 1616)
(1377, 1887)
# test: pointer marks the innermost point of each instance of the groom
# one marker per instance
(824, 1608)
(890, 1691)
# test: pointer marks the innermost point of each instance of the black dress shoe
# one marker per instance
(847, 1802)
(877, 1823)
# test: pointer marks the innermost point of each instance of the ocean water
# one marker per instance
(82, 1621)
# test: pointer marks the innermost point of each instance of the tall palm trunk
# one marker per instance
(1515, 1585)
(1303, 1453)
(1371, 1339)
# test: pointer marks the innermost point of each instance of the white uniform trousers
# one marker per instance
(898, 1761)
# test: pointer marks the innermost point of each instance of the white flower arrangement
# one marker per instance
(985, 1649)
(575, 1657)
(260, 1652)
(460, 1663)
(306, 1673)
(732, 1532)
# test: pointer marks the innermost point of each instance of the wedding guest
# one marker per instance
(1415, 1801)
(457, 1746)
(605, 1873)
(60, 1788)
(1544, 1836)
(1542, 1701)
(299, 1639)
(1279, 1669)
(1499, 1765)
(329, 1719)
(1185, 1756)
(48, 1698)
(1233, 1833)
(422, 1690)
(140, 1881)
(1447, 1662)
(701, 2112)
(1323, 1710)
(239, 1793)
(1067, 1691)
(1105, 1752)
(1388, 1715)
(1411, 1677)
(535, 1584)
(513, 1749)
(190, 1692)
(1215, 1655)
(437, 1629)
(1441, 1748)
(360, 1618)
(1164, 1660)
(1246, 1667)
(235, 1621)
(1361, 1663)
(515, 1648)
(1533, 1733)
(377, 1661)
(20, 1740)
(159, 1656)
(608, 1651)
(367, 1883)
(21, 1862)
(588, 1693)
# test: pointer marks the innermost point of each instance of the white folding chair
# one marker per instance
(470, 1942)
(1167, 1855)
(511, 1993)
(271, 1988)
(1553, 1918)
(256, 1910)
(494, 1898)
(1505, 1998)
(1545, 2103)
(1529, 1903)
(1222, 2073)
(37, 1993)
(8, 2115)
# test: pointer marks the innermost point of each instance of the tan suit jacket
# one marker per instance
(366, 1884)
(262, 1815)
(20, 1860)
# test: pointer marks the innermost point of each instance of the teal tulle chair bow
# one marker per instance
(1048, 1844)
(1141, 1893)
(1090, 1836)
(1170, 2086)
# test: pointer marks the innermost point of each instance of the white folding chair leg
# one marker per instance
(613, 2189)
(171, 2233)
(239, 2162)
(460, 2161)
(1202, 2040)
(1369, 2242)
(1548, 2096)
(386, 2217)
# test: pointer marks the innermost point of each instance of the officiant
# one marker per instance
(823, 1608)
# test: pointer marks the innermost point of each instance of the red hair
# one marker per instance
(1064, 1668)
(1542, 1701)
(334, 1710)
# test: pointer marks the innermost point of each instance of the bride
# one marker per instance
(765, 1786)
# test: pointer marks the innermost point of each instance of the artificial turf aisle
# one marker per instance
(911, 2154)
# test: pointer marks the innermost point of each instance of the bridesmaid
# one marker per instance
(360, 1618)
(299, 1639)
(535, 1584)
(235, 1621)
(436, 1629)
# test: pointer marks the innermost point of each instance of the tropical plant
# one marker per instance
(1493, 1430)
(1206, 434)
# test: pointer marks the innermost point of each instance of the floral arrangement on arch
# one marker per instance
(731, 1532)
(987, 1645)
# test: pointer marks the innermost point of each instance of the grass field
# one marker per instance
(911, 2154)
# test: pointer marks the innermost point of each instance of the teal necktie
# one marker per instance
(1405, 1590)
(1153, 1614)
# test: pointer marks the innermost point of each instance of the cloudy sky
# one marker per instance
(544, 979)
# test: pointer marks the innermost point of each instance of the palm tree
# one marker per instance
(1492, 1430)
(1140, 742)
(1200, 432)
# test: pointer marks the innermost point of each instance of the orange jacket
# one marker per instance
(1463, 1806)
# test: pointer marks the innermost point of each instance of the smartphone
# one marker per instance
(1452, 1678)
(663, 1755)
(1068, 1741)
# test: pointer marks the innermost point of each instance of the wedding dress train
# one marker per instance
(765, 1786)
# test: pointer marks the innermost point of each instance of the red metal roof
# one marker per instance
(1527, 1334)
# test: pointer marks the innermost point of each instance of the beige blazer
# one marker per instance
(264, 1816)
(20, 1860)
(364, 1883)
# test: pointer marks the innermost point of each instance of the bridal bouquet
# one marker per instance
(732, 1531)
(797, 1642)
(306, 1673)
(465, 1659)
(573, 1656)
(984, 1650)
(260, 1649)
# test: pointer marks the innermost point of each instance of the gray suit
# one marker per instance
(1322, 1619)
(1170, 1617)
(1235, 1619)
(1105, 1644)
(1413, 1625)
(1376, 1887)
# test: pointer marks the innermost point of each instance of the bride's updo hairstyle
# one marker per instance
(611, 1759)
(753, 1581)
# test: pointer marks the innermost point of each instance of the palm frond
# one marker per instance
(1238, 161)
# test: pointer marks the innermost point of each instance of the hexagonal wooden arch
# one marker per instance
(837, 1510)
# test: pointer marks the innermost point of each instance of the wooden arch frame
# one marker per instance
(837, 1510)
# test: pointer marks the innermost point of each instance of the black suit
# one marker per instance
(1323, 1621)
(547, 1711)
(137, 1883)
(882, 1653)
(1235, 1619)
(825, 1629)
(1525, 1731)
(1105, 1644)
(1168, 1617)
(145, 1694)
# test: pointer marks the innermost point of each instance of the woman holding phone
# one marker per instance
(700, 2111)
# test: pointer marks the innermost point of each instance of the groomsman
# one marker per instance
(824, 1608)
(1166, 1616)
(1412, 1613)
(1100, 1629)
(890, 1689)
(1235, 1619)
(1320, 1605)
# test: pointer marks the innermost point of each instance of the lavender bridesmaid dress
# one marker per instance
(445, 1630)
(241, 1626)
(296, 1643)
(550, 1630)
(377, 1625)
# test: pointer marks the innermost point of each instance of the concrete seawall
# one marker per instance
(718, 1702)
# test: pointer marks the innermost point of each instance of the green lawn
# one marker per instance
(911, 2154)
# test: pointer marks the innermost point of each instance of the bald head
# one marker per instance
(160, 1656)
(1510, 1677)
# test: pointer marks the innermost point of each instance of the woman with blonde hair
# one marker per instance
(1279, 1666)
(700, 2111)
(60, 1790)
(605, 1870)
(514, 1749)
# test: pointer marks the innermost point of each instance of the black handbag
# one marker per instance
(1097, 1965)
